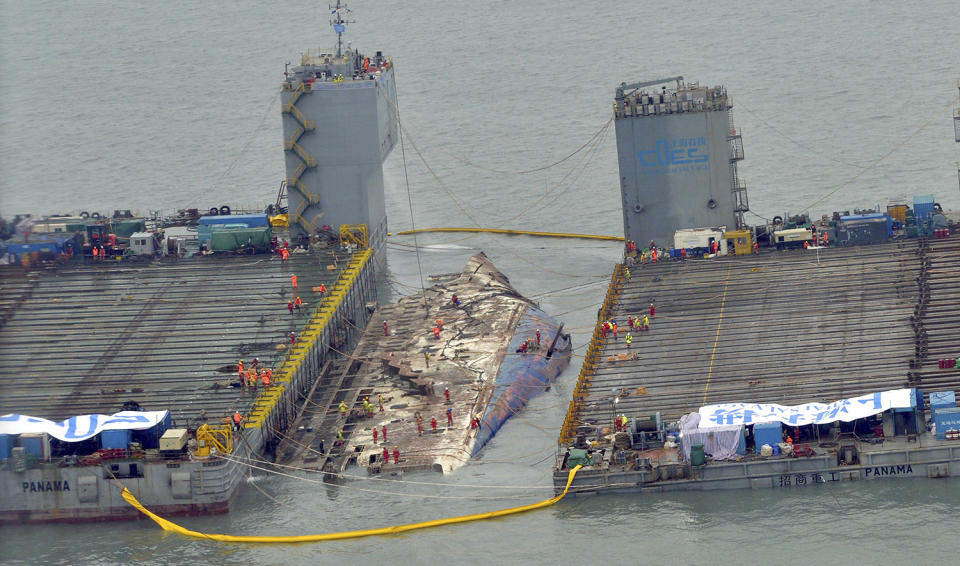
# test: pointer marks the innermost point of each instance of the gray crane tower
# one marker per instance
(339, 112)
(678, 151)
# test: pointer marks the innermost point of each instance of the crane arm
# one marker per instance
(633, 86)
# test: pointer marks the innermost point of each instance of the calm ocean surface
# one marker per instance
(166, 105)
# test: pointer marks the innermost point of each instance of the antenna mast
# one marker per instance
(339, 24)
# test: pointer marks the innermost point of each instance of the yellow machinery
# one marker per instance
(742, 241)
(354, 234)
(219, 437)
(280, 221)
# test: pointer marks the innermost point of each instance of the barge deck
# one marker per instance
(780, 327)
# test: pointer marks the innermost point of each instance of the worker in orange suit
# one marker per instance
(237, 420)
(298, 303)
(293, 281)
(323, 290)
(436, 332)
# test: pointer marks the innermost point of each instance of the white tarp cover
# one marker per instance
(811, 413)
(719, 442)
(81, 427)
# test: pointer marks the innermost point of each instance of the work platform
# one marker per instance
(780, 327)
(167, 334)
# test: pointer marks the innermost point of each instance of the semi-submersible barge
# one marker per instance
(720, 390)
(165, 337)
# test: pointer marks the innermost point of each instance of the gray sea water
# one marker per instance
(165, 105)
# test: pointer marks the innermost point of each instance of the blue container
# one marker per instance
(36, 444)
(7, 442)
(767, 433)
(946, 419)
(922, 207)
(111, 439)
(942, 400)
(239, 220)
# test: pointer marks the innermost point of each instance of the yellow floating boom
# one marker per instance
(173, 527)
(513, 233)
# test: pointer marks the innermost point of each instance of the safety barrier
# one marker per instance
(591, 360)
(396, 529)
(292, 372)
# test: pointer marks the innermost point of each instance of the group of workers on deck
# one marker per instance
(254, 374)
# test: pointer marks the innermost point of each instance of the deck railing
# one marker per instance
(591, 360)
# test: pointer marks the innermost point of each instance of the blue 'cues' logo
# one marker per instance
(679, 151)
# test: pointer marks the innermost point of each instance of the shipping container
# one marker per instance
(110, 439)
(864, 229)
(228, 240)
(698, 240)
(740, 241)
(36, 443)
(942, 400)
(174, 440)
(767, 433)
(946, 419)
(48, 245)
(923, 211)
(246, 220)
(898, 212)
(7, 442)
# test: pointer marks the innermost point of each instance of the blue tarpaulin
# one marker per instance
(524, 375)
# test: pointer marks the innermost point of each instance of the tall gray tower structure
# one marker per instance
(339, 109)
(678, 151)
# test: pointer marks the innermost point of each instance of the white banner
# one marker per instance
(812, 413)
(81, 427)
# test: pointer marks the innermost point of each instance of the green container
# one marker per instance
(232, 239)
(697, 457)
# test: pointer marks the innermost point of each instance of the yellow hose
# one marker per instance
(173, 527)
(513, 232)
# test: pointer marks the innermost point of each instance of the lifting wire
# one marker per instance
(173, 527)
(249, 140)
(320, 481)
(795, 142)
(406, 178)
(538, 169)
(875, 163)
(506, 248)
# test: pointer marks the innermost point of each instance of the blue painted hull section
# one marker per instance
(522, 376)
